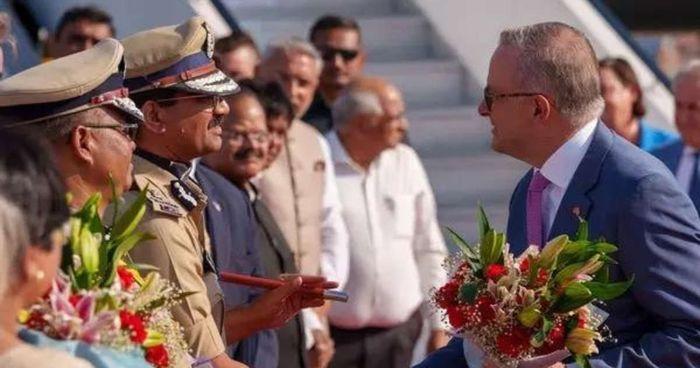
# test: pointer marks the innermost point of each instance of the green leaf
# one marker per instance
(538, 339)
(567, 272)
(491, 248)
(467, 292)
(461, 243)
(582, 231)
(575, 295)
(603, 247)
(482, 221)
(154, 338)
(550, 253)
(608, 291)
(582, 361)
(128, 221)
(129, 242)
(143, 267)
(115, 199)
(603, 275)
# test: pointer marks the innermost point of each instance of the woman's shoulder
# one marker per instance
(27, 356)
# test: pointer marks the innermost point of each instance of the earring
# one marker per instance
(39, 275)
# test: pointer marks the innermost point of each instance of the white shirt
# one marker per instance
(686, 166)
(334, 234)
(560, 167)
(396, 248)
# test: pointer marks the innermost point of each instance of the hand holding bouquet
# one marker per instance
(533, 310)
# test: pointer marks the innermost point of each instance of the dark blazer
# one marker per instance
(277, 258)
(670, 155)
(632, 200)
(232, 230)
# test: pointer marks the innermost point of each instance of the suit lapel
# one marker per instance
(674, 156)
(517, 227)
(576, 201)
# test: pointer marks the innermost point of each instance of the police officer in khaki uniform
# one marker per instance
(79, 104)
(175, 83)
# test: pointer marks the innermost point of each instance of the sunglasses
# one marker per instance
(214, 100)
(489, 96)
(329, 54)
(128, 130)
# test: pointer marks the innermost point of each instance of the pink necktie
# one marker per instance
(535, 229)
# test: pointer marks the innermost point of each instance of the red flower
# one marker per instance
(542, 276)
(513, 342)
(125, 276)
(36, 321)
(495, 271)
(484, 304)
(446, 296)
(74, 299)
(157, 356)
(555, 340)
(525, 265)
(134, 324)
(455, 316)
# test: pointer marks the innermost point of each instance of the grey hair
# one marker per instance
(291, 46)
(14, 239)
(353, 102)
(690, 70)
(558, 60)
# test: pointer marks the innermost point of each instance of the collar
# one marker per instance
(179, 169)
(338, 152)
(562, 164)
(689, 151)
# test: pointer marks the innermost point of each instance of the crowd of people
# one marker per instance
(290, 160)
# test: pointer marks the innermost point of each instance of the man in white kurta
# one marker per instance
(396, 248)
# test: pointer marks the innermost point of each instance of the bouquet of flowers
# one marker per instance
(100, 297)
(533, 310)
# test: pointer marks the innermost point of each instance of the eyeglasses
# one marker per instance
(128, 130)
(214, 100)
(255, 137)
(489, 96)
(329, 53)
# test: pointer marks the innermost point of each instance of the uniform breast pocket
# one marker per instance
(403, 213)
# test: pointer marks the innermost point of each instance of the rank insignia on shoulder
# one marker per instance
(183, 194)
(164, 205)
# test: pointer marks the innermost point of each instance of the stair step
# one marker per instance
(388, 38)
(449, 131)
(306, 9)
(424, 83)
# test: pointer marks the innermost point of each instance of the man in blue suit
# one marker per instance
(681, 156)
(543, 100)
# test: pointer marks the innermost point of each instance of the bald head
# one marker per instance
(374, 107)
(557, 60)
(365, 96)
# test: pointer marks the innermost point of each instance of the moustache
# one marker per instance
(216, 121)
(247, 153)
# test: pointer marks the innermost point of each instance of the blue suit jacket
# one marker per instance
(233, 233)
(632, 200)
(670, 155)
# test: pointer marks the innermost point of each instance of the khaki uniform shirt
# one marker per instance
(178, 251)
